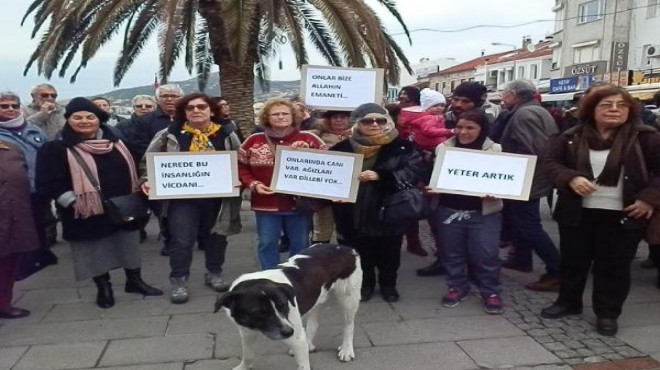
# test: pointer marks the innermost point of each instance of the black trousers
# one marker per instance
(382, 253)
(601, 244)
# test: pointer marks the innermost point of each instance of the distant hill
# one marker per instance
(277, 88)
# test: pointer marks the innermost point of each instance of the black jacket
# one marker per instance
(361, 218)
(145, 128)
(53, 178)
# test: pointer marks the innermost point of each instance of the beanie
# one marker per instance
(429, 98)
(370, 110)
(412, 92)
(473, 91)
(80, 104)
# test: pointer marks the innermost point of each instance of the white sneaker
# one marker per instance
(179, 292)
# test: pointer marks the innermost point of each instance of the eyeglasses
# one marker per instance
(223, 104)
(143, 106)
(48, 95)
(169, 96)
(12, 106)
(371, 121)
(613, 105)
(280, 114)
(200, 107)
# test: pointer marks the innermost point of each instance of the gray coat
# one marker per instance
(17, 231)
(52, 123)
(528, 131)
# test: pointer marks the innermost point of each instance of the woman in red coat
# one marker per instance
(17, 231)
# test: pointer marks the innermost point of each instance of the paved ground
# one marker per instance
(68, 331)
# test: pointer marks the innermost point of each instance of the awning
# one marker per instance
(557, 97)
(647, 94)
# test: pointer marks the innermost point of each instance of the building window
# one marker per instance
(444, 86)
(652, 8)
(521, 72)
(560, 14)
(437, 86)
(591, 11)
(586, 54)
(534, 72)
(452, 85)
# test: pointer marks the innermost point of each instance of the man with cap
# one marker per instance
(526, 130)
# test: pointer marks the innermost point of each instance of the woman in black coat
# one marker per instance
(385, 154)
(97, 244)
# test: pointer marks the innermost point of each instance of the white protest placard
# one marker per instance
(316, 173)
(481, 173)
(192, 175)
(335, 88)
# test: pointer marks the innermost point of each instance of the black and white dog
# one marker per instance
(275, 301)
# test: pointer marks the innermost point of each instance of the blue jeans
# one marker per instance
(528, 235)
(474, 239)
(297, 227)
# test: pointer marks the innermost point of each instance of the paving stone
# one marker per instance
(9, 356)
(606, 365)
(212, 364)
(441, 329)
(507, 352)
(86, 311)
(613, 356)
(644, 338)
(161, 366)
(573, 344)
(61, 356)
(555, 346)
(517, 320)
(627, 351)
(612, 341)
(561, 337)
(585, 352)
(544, 339)
(538, 333)
(574, 361)
(602, 350)
(566, 354)
(82, 331)
(169, 348)
(593, 342)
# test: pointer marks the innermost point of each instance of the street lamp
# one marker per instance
(515, 48)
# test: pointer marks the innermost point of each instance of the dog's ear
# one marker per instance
(225, 300)
(281, 295)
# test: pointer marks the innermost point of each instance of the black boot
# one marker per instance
(654, 255)
(135, 284)
(104, 297)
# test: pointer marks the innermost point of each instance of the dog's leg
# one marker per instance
(348, 296)
(248, 337)
(298, 341)
(312, 318)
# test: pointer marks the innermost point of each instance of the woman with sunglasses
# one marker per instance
(386, 158)
(256, 159)
(191, 220)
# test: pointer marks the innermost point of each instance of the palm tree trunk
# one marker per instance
(236, 77)
(237, 85)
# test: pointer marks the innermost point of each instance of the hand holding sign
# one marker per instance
(368, 175)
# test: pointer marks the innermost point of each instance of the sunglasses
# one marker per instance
(190, 108)
(47, 95)
(371, 121)
(169, 96)
(143, 106)
(12, 106)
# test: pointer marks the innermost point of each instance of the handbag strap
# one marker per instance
(87, 171)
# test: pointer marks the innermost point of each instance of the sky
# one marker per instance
(445, 15)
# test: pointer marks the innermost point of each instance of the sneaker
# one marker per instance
(453, 297)
(179, 292)
(492, 304)
(215, 282)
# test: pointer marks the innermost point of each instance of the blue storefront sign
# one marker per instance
(570, 84)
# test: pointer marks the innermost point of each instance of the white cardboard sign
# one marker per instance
(481, 173)
(316, 173)
(334, 88)
(193, 175)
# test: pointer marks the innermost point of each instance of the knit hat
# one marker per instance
(370, 110)
(330, 113)
(412, 92)
(472, 90)
(80, 104)
(429, 98)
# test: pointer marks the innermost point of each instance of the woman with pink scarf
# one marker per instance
(97, 244)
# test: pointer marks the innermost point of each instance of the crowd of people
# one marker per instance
(604, 168)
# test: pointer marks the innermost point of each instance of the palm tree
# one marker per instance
(239, 36)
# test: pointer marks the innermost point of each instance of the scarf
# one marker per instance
(618, 143)
(89, 200)
(369, 146)
(200, 139)
(13, 123)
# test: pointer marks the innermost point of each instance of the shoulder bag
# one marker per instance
(407, 204)
(128, 212)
